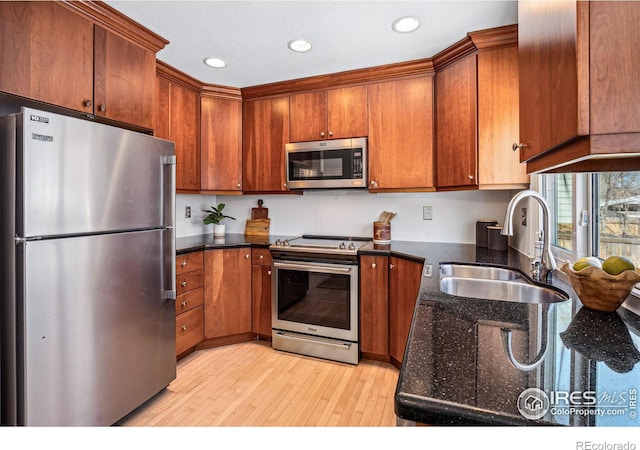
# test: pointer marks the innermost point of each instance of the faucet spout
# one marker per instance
(547, 260)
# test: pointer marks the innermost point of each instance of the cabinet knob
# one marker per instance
(184, 283)
(391, 266)
(517, 146)
(238, 185)
(247, 256)
(470, 177)
(102, 108)
(87, 103)
(183, 303)
(269, 272)
(374, 265)
(184, 328)
(261, 256)
(374, 184)
(330, 133)
(184, 263)
(322, 134)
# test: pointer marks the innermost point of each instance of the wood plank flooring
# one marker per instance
(250, 384)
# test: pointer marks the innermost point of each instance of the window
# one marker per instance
(617, 204)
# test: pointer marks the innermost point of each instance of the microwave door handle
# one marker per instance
(313, 267)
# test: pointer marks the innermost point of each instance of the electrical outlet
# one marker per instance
(187, 212)
(524, 217)
(427, 213)
(428, 270)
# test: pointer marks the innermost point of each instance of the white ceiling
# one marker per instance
(252, 36)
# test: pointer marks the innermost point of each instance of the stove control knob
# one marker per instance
(342, 246)
(285, 243)
(352, 246)
(278, 242)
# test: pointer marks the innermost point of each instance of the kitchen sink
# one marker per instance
(495, 283)
(481, 272)
(510, 291)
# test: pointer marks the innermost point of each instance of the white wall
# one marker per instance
(352, 213)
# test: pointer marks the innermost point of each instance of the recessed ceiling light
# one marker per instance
(215, 62)
(299, 45)
(405, 24)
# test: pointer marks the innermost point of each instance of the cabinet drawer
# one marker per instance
(188, 262)
(189, 300)
(189, 281)
(189, 329)
(261, 256)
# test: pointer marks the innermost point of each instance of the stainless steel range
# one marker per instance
(315, 292)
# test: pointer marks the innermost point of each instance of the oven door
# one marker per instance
(318, 299)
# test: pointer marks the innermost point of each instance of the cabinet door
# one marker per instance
(401, 134)
(308, 116)
(551, 79)
(374, 305)
(265, 130)
(404, 286)
(261, 299)
(347, 112)
(227, 304)
(46, 54)
(177, 112)
(124, 80)
(456, 116)
(498, 164)
(221, 152)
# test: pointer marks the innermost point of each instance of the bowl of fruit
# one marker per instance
(602, 286)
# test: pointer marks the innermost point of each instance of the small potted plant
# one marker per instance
(215, 216)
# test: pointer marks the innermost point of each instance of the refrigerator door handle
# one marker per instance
(169, 189)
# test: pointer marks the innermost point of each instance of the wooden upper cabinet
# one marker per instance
(59, 55)
(265, 128)
(401, 134)
(333, 114)
(123, 80)
(579, 88)
(456, 119)
(46, 54)
(221, 149)
(177, 120)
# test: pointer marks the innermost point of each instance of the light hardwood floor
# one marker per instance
(250, 384)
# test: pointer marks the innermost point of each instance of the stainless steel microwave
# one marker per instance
(339, 163)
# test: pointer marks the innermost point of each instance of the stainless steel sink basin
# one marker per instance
(479, 272)
(509, 291)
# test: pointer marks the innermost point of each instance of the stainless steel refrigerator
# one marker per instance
(88, 263)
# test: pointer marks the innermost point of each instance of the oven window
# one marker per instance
(314, 298)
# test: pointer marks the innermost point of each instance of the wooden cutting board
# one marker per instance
(259, 212)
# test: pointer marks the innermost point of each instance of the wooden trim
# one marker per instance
(408, 69)
(219, 91)
(376, 357)
(582, 68)
(226, 340)
(459, 50)
(104, 15)
(175, 76)
(495, 37)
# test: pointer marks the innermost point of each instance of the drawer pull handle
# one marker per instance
(184, 328)
(184, 263)
(183, 303)
(184, 283)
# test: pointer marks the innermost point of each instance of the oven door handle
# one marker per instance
(324, 268)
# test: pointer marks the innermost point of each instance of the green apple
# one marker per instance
(587, 261)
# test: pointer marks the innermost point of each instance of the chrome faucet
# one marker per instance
(546, 262)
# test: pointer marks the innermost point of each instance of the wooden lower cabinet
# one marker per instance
(261, 292)
(404, 286)
(227, 284)
(189, 301)
(374, 306)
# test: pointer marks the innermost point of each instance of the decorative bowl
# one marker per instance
(600, 290)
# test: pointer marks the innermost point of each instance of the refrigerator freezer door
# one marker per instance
(77, 177)
(98, 334)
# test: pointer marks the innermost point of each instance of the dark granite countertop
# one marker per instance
(456, 370)
(189, 244)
